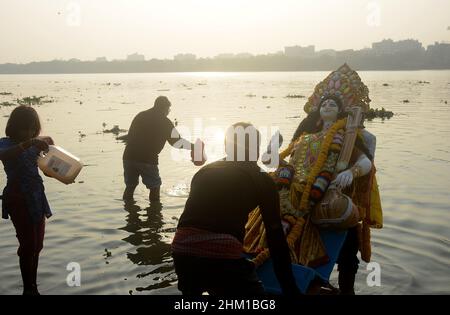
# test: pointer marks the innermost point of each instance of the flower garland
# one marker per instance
(321, 159)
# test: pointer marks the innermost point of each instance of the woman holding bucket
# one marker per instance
(24, 199)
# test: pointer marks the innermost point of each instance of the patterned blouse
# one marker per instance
(22, 172)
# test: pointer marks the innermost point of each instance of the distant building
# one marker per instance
(244, 56)
(348, 53)
(389, 47)
(327, 52)
(101, 59)
(185, 57)
(298, 51)
(135, 57)
(439, 53)
(225, 56)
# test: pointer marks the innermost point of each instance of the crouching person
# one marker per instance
(208, 244)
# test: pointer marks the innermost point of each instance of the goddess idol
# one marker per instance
(328, 182)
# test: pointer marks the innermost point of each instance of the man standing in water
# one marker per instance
(208, 244)
(146, 138)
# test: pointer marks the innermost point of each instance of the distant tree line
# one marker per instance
(359, 60)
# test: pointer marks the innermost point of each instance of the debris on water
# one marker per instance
(5, 93)
(295, 96)
(423, 82)
(267, 106)
(81, 182)
(175, 122)
(7, 104)
(250, 95)
(117, 84)
(34, 100)
(293, 117)
(385, 84)
(107, 253)
(405, 101)
(81, 135)
(122, 138)
(81, 103)
(379, 113)
(163, 90)
(115, 130)
(109, 109)
(264, 97)
(130, 292)
(202, 84)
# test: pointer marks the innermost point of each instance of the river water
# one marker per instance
(126, 249)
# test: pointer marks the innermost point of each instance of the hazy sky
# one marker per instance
(35, 30)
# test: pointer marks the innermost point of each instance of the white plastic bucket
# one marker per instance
(60, 164)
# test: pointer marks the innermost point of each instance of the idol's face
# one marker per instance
(329, 110)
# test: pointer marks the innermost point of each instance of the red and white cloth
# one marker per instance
(201, 243)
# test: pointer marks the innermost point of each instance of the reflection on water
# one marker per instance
(125, 249)
(144, 228)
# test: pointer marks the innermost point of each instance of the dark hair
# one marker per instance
(231, 137)
(162, 102)
(23, 118)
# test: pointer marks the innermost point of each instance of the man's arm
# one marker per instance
(177, 141)
(279, 250)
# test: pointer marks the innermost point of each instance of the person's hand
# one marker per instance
(47, 139)
(198, 151)
(343, 180)
(40, 144)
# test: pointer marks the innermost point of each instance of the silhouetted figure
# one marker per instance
(146, 138)
(24, 199)
(207, 247)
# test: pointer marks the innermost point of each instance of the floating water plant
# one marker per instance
(114, 130)
(379, 113)
(7, 104)
(295, 96)
(33, 100)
